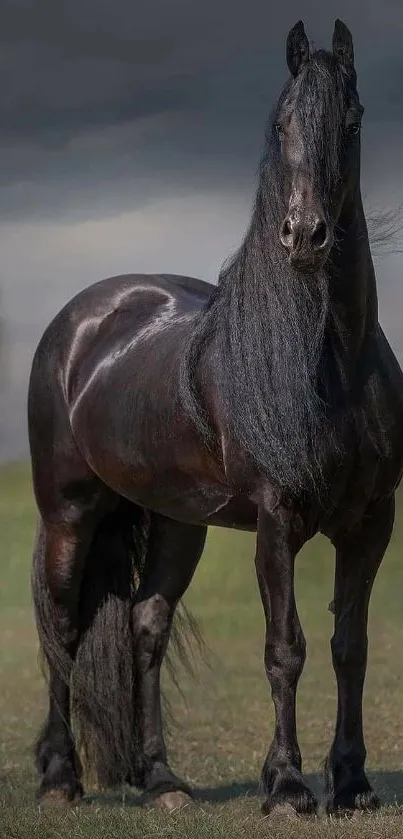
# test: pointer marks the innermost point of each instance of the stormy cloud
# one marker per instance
(130, 134)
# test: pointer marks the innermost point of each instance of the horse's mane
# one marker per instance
(385, 230)
(277, 368)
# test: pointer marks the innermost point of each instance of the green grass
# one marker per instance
(225, 720)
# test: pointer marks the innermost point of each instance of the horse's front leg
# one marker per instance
(358, 557)
(278, 540)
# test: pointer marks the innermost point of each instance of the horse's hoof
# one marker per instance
(299, 805)
(65, 794)
(284, 812)
(171, 801)
(350, 805)
(367, 801)
(59, 797)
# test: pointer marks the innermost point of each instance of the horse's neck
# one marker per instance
(353, 296)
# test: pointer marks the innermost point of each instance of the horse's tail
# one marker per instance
(102, 676)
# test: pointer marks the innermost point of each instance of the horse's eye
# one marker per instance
(354, 128)
(279, 129)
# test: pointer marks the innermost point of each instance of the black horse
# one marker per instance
(159, 405)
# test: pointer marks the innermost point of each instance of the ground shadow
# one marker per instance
(227, 792)
(388, 785)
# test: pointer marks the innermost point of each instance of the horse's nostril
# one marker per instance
(319, 234)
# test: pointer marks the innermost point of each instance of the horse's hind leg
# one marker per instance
(358, 556)
(59, 557)
(174, 550)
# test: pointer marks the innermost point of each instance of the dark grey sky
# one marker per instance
(115, 102)
(130, 134)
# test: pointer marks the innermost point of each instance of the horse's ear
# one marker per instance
(297, 48)
(343, 48)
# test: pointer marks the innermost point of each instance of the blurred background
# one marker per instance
(130, 135)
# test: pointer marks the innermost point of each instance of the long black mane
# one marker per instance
(270, 328)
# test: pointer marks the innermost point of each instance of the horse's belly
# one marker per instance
(202, 504)
(240, 513)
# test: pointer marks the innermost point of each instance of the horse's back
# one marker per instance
(127, 290)
(112, 311)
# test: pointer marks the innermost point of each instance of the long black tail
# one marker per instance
(102, 676)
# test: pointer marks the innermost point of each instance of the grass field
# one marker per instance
(225, 719)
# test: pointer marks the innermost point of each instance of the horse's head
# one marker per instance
(317, 135)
